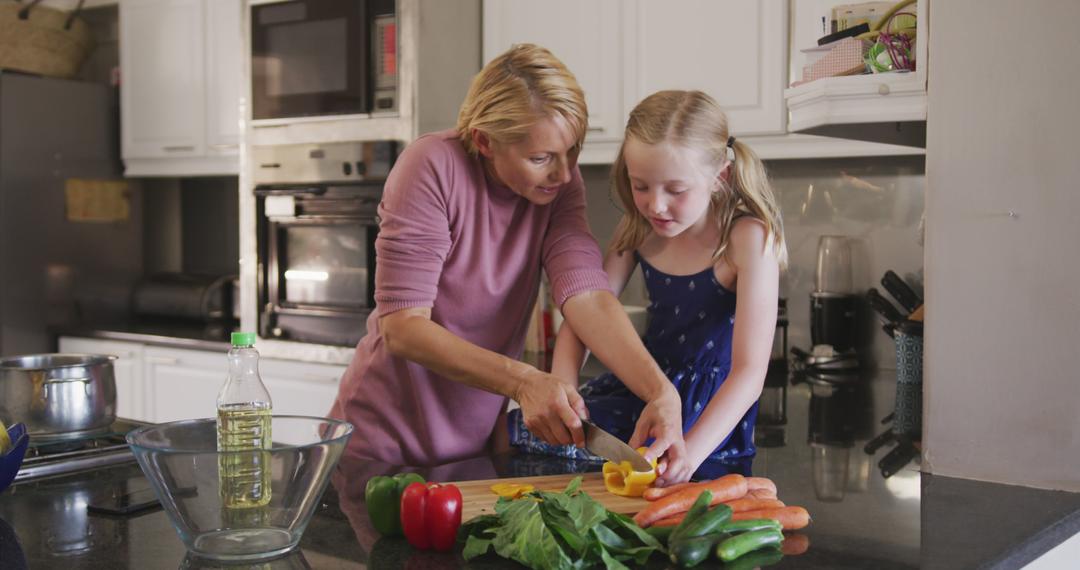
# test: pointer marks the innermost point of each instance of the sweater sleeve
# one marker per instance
(414, 228)
(571, 255)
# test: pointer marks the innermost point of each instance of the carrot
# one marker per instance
(726, 488)
(654, 493)
(671, 521)
(794, 544)
(791, 518)
(755, 483)
(761, 494)
(749, 503)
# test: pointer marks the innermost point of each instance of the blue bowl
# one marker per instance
(12, 460)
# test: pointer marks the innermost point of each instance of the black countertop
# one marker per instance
(158, 332)
(860, 519)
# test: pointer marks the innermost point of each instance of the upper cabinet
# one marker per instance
(180, 86)
(881, 107)
(623, 50)
(586, 36)
(734, 51)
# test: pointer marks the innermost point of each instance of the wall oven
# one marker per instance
(323, 57)
(316, 228)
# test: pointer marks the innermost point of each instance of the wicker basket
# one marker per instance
(47, 41)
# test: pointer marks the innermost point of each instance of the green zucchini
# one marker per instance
(699, 508)
(740, 544)
(737, 527)
(708, 522)
(691, 551)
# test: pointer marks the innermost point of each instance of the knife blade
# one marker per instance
(602, 443)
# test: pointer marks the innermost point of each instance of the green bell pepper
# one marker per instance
(383, 499)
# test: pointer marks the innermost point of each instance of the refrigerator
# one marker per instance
(56, 272)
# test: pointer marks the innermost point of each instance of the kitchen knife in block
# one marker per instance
(901, 291)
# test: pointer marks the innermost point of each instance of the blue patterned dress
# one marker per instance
(691, 320)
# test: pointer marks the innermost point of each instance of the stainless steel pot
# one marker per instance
(58, 396)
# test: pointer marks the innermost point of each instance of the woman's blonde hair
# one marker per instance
(517, 89)
(694, 120)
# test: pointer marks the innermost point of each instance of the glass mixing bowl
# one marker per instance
(198, 485)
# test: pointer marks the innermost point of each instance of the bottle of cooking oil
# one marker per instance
(243, 428)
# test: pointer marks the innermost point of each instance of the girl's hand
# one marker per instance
(662, 420)
(551, 409)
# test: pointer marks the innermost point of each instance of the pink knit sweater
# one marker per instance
(472, 250)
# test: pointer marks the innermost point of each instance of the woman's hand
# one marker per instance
(662, 420)
(551, 408)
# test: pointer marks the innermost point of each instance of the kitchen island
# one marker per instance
(860, 519)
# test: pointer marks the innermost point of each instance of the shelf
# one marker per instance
(888, 107)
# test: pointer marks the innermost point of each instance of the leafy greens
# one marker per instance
(567, 530)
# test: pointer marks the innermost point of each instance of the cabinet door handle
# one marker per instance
(224, 146)
(182, 148)
(162, 360)
(594, 129)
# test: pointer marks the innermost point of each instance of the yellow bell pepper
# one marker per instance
(621, 479)
(511, 490)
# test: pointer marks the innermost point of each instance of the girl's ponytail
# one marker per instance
(755, 197)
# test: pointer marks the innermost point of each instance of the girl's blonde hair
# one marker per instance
(692, 119)
(517, 89)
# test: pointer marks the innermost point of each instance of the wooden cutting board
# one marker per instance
(478, 499)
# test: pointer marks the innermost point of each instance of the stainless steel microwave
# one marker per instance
(314, 58)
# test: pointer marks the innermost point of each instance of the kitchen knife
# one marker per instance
(883, 307)
(901, 291)
(602, 443)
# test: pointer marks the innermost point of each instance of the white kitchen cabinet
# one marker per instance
(162, 384)
(584, 35)
(734, 50)
(127, 368)
(180, 64)
(183, 384)
(301, 388)
(621, 51)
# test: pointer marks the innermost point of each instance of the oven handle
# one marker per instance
(290, 190)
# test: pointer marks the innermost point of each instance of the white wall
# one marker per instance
(1002, 389)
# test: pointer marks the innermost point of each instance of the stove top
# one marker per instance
(81, 453)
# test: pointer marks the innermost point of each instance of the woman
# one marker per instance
(468, 218)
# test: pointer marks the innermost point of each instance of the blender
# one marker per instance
(834, 308)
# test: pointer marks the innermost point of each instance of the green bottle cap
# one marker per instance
(243, 339)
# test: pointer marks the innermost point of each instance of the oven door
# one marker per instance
(310, 57)
(319, 279)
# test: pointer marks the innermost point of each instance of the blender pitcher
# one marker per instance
(833, 303)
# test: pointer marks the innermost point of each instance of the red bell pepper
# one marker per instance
(431, 515)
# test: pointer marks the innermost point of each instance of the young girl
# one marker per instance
(701, 220)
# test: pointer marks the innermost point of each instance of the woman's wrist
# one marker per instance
(522, 376)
